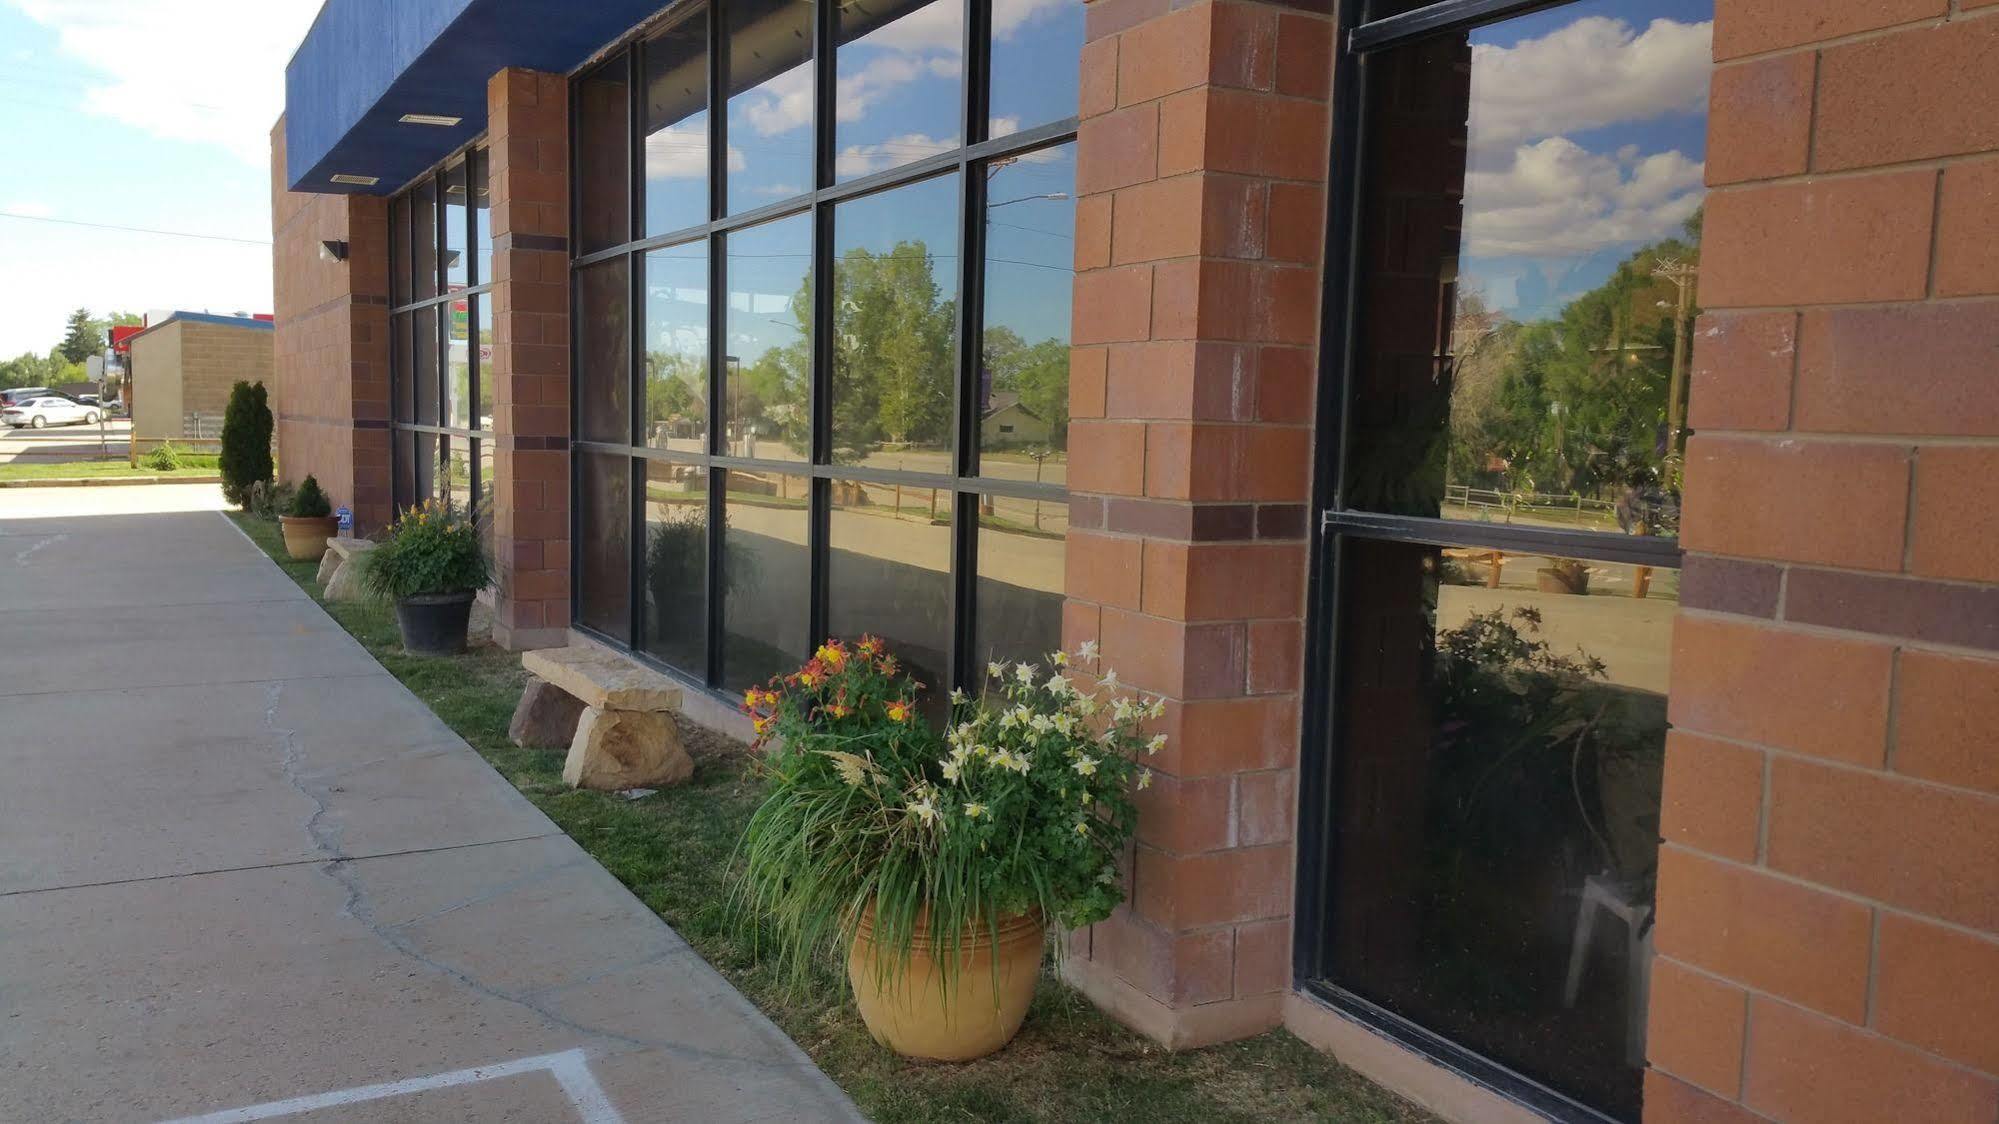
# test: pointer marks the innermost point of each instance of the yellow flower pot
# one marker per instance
(911, 1011)
(306, 535)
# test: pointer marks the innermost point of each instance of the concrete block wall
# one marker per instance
(1829, 887)
(214, 358)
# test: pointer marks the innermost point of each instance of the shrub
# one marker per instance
(246, 441)
(269, 499)
(164, 457)
(309, 502)
(432, 548)
(1024, 804)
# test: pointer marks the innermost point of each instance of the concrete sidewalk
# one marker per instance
(245, 875)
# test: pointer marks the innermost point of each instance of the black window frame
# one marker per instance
(1315, 900)
(977, 152)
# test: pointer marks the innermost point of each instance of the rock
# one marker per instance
(603, 679)
(344, 583)
(545, 718)
(329, 563)
(615, 749)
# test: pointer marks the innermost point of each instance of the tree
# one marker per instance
(29, 369)
(246, 442)
(83, 337)
(892, 356)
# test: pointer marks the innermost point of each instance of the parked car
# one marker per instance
(14, 396)
(49, 409)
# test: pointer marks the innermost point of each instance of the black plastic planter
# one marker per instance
(434, 623)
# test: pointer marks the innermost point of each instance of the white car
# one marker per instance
(50, 409)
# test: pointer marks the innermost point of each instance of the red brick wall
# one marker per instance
(1201, 194)
(1829, 890)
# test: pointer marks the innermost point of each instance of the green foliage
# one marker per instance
(246, 441)
(1022, 806)
(164, 458)
(82, 337)
(1039, 373)
(269, 499)
(29, 369)
(433, 548)
(309, 502)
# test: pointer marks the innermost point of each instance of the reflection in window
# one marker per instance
(482, 311)
(424, 469)
(423, 238)
(482, 454)
(1024, 363)
(901, 76)
(458, 362)
(456, 261)
(676, 565)
(603, 158)
(402, 487)
(399, 254)
(676, 125)
(1019, 592)
(1530, 280)
(895, 260)
(403, 373)
(767, 578)
(770, 101)
(457, 488)
(889, 573)
(482, 218)
(604, 385)
(767, 368)
(423, 371)
(676, 341)
(603, 543)
(1034, 71)
(1500, 755)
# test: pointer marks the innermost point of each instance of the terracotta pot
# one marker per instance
(908, 1008)
(306, 535)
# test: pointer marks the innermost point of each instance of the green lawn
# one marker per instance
(1070, 1063)
(85, 470)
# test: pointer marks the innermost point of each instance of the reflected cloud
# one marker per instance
(1558, 198)
(1594, 72)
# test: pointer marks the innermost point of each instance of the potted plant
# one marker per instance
(308, 522)
(936, 861)
(431, 564)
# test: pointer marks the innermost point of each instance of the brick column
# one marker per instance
(528, 139)
(330, 384)
(1828, 929)
(1201, 179)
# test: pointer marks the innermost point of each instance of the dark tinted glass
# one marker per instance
(402, 489)
(456, 194)
(766, 576)
(399, 254)
(676, 125)
(770, 101)
(423, 364)
(458, 472)
(423, 239)
(676, 565)
(1020, 579)
(482, 496)
(603, 543)
(1037, 46)
(901, 78)
(1024, 364)
(890, 574)
(895, 261)
(404, 368)
(604, 351)
(482, 219)
(766, 395)
(676, 340)
(1500, 748)
(458, 363)
(423, 468)
(603, 158)
(1531, 214)
(482, 315)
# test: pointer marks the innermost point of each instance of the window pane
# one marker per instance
(1037, 52)
(458, 455)
(402, 368)
(423, 469)
(423, 366)
(1020, 579)
(1523, 294)
(482, 496)
(603, 158)
(770, 101)
(399, 241)
(482, 219)
(895, 262)
(604, 351)
(1498, 770)
(766, 399)
(402, 490)
(603, 543)
(901, 78)
(423, 238)
(1030, 269)
(890, 574)
(455, 201)
(676, 125)
(677, 348)
(458, 363)
(766, 576)
(482, 314)
(676, 565)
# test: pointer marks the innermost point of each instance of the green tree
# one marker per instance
(892, 353)
(246, 441)
(82, 338)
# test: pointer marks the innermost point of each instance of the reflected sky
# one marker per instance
(900, 73)
(676, 126)
(767, 361)
(770, 107)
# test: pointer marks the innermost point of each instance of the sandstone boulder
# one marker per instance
(615, 749)
(546, 716)
(603, 679)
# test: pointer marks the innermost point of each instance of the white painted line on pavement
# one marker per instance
(570, 1068)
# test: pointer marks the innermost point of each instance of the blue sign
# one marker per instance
(346, 517)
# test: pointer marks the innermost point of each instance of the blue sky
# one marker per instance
(131, 113)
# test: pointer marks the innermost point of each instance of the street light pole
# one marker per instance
(1682, 275)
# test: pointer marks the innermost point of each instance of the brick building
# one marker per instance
(1537, 450)
(182, 366)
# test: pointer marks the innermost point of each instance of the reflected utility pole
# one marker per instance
(1682, 275)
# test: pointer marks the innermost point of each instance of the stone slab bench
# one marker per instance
(620, 714)
(339, 573)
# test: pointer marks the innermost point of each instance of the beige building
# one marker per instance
(182, 367)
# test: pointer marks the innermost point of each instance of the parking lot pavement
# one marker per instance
(65, 442)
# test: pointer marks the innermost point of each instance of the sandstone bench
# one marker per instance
(340, 569)
(621, 713)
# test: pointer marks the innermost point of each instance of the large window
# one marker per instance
(1513, 281)
(441, 333)
(822, 334)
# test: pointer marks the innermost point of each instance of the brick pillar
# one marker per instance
(1201, 178)
(1828, 930)
(528, 137)
(330, 384)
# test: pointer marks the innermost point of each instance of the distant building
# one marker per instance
(183, 365)
(1007, 422)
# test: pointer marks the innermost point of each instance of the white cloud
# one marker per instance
(1596, 71)
(1556, 198)
(1009, 16)
(860, 159)
(782, 104)
(680, 152)
(29, 210)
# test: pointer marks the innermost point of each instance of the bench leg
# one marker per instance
(616, 749)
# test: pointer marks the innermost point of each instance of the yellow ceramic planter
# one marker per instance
(911, 1011)
(306, 535)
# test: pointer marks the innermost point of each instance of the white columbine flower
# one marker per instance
(957, 696)
(1087, 766)
(1156, 707)
(1088, 652)
(1085, 705)
(995, 670)
(924, 810)
(1110, 679)
(1157, 743)
(1040, 724)
(1064, 724)
(1082, 827)
(1059, 658)
(1025, 673)
(951, 769)
(1058, 684)
(1144, 779)
(974, 810)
